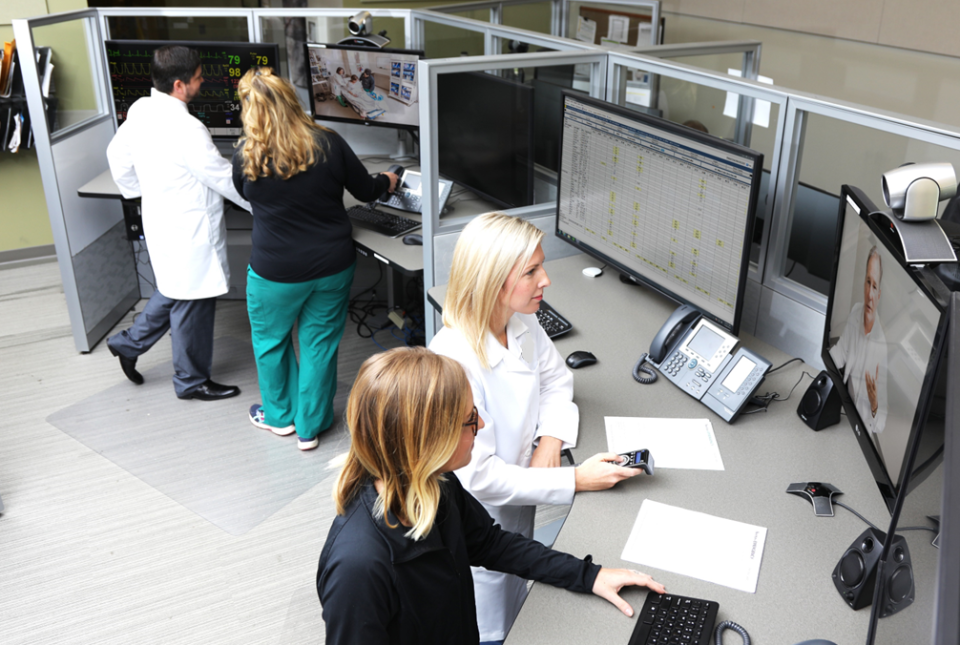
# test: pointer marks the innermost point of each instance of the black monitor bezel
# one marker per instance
(518, 87)
(888, 489)
(196, 44)
(688, 133)
(420, 54)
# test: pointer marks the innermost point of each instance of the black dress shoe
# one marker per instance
(128, 365)
(210, 391)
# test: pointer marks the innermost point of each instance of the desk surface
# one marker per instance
(406, 258)
(762, 454)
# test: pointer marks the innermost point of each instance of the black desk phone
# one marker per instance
(406, 196)
(695, 355)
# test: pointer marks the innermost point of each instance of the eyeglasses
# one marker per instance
(474, 422)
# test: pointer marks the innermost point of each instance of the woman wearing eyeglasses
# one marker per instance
(396, 564)
(523, 390)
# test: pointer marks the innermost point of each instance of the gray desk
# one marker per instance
(762, 454)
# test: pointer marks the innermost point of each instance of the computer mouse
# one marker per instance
(580, 359)
(413, 239)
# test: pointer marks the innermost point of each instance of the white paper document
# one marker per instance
(586, 30)
(698, 545)
(618, 28)
(674, 443)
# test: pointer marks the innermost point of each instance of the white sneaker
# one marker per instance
(307, 444)
(257, 418)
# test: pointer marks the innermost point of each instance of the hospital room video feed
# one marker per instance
(364, 85)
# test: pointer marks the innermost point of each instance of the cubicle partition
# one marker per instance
(788, 127)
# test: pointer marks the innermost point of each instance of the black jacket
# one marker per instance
(377, 586)
(301, 231)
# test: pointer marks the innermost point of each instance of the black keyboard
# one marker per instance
(552, 322)
(675, 620)
(381, 222)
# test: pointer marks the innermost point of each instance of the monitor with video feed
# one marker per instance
(670, 207)
(364, 85)
(882, 345)
(485, 136)
(222, 64)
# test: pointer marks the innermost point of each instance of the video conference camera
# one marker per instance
(361, 26)
(914, 191)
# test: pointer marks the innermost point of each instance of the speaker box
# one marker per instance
(855, 575)
(820, 406)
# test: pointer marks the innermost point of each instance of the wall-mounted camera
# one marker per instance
(914, 191)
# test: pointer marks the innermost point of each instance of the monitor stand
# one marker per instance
(402, 152)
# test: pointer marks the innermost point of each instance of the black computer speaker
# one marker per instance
(855, 575)
(820, 406)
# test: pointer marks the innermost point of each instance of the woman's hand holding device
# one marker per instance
(602, 471)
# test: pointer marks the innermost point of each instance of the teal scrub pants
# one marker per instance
(298, 394)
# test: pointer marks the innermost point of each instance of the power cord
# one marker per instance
(729, 624)
(764, 400)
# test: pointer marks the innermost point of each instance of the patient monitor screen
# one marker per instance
(364, 85)
(659, 201)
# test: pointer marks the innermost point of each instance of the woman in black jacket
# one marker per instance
(293, 172)
(396, 564)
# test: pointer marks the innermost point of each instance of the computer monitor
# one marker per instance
(364, 85)
(882, 344)
(947, 612)
(217, 106)
(671, 207)
(485, 136)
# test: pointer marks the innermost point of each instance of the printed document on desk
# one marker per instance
(674, 443)
(698, 545)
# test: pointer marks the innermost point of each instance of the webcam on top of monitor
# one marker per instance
(913, 193)
(361, 26)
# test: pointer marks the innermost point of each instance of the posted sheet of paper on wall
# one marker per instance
(761, 109)
(674, 443)
(698, 545)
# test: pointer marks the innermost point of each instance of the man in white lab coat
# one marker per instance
(166, 156)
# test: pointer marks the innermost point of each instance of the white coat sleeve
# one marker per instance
(559, 415)
(212, 169)
(120, 158)
(495, 482)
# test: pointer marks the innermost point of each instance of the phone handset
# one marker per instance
(670, 334)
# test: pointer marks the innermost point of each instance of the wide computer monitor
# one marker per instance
(364, 85)
(217, 106)
(671, 207)
(882, 344)
(485, 136)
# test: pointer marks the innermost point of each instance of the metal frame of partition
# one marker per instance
(607, 81)
(496, 10)
(653, 5)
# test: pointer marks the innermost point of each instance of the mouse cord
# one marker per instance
(642, 373)
(728, 624)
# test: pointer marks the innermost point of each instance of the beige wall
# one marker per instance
(923, 25)
(25, 221)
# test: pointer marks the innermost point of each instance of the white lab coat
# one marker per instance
(166, 156)
(526, 393)
(861, 353)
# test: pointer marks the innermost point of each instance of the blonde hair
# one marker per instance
(405, 414)
(276, 130)
(488, 249)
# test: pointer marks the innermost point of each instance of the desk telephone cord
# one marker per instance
(729, 624)
(642, 373)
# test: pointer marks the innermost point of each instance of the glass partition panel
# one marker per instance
(208, 28)
(72, 92)
(630, 25)
(443, 41)
(834, 153)
(532, 17)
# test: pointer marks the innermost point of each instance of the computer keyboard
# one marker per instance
(675, 620)
(381, 222)
(552, 322)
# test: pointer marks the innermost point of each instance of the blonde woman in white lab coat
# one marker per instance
(522, 389)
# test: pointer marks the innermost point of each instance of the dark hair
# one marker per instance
(173, 63)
